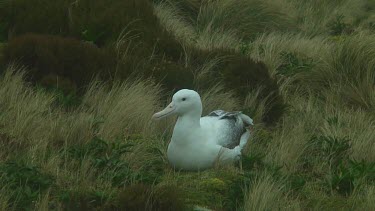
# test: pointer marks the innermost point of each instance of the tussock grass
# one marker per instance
(4, 199)
(357, 126)
(314, 18)
(269, 47)
(358, 51)
(347, 71)
(212, 99)
(116, 108)
(264, 194)
(251, 17)
(26, 115)
(36, 128)
(209, 39)
(368, 202)
(290, 140)
(258, 106)
(174, 22)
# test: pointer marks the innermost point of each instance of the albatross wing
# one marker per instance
(230, 126)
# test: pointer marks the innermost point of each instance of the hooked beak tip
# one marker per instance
(170, 109)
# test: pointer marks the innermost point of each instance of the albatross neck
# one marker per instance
(190, 120)
(188, 123)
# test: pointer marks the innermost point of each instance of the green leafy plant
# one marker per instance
(92, 36)
(296, 182)
(244, 48)
(347, 176)
(338, 26)
(332, 148)
(236, 191)
(25, 181)
(333, 121)
(64, 99)
(252, 161)
(293, 65)
(106, 157)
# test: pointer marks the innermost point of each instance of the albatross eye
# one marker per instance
(183, 99)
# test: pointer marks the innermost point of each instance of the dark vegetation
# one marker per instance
(293, 65)
(339, 27)
(242, 74)
(66, 63)
(28, 182)
(344, 173)
(81, 41)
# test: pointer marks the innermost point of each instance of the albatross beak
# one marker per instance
(166, 112)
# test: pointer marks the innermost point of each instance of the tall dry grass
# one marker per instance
(174, 22)
(213, 99)
(368, 202)
(265, 194)
(312, 18)
(358, 126)
(26, 115)
(268, 48)
(4, 197)
(117, 107)
(347, 71)
(35, 125)
(251, 17)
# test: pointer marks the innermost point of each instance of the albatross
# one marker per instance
(199, 142)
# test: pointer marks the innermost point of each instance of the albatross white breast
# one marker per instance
(198, 142)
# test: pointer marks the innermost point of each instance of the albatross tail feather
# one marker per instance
(244, 138)
(246, 119)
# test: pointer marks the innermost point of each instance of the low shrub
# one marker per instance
(243, 75)
(91, 21)
(57, 61)
(95, 22)
(39, 16)
(82, 200)
(173, 75)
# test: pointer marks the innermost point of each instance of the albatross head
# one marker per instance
(184, 102)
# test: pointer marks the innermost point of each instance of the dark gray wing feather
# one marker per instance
(235, 126)
(225, 114)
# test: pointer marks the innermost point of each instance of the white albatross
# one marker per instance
(198, 142)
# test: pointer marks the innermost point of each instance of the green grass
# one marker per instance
(96, 148)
